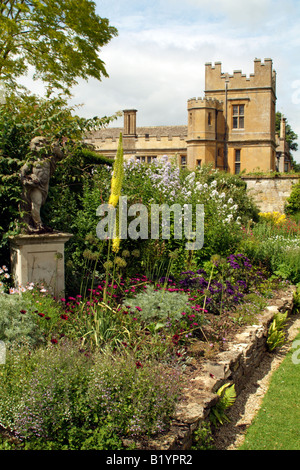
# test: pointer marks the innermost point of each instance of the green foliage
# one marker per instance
(276, 337)
(296, 299)
(22, 117)
(61, 39)
(202, 438)
(291, 137)
(278, 249)
(159, 305)
(18, 322)
(227, 398)
(293, 201)
(68, 399)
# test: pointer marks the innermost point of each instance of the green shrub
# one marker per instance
(278, 251)
(293, 201)
(18, 321)
(159, 305)
(63, 398)
(276, 335)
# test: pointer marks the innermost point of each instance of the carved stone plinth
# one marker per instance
(39, 259)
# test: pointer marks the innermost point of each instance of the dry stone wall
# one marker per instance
(270, 194)
(235, 365)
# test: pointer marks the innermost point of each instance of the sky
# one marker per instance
(157, 61)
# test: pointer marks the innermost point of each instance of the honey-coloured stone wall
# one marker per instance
(269, 193)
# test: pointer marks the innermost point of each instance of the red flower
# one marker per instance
(54, 341)
(175, 339)
(41, 314)
(23, 311)
(138, 364)
(64, 316)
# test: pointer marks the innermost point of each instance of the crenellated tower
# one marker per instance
(238, 115)
(205, 131)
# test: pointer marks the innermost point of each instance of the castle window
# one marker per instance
(183, 160)
(199, 163)
(238, 116)
(149, 159)
(237, 164)
(209, 119)
(143, 159)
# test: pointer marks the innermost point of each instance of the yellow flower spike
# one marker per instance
(116, 244)
(118, 174)
(116, 187)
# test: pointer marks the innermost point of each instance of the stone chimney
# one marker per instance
(283, 128)
(129, 122)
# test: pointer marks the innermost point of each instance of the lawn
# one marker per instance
(276, 426)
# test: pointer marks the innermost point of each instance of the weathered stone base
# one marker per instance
(39, 259)
(235, 365)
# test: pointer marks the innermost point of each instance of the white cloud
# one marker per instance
(157, 62)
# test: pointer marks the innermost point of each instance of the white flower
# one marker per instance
(230, 200)
(12, 290)
(191, 177)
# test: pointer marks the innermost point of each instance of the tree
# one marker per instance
(61, 39)
(290, 137)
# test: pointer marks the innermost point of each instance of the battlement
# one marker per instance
(263, 76)
(206, 102)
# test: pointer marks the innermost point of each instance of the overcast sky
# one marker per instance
(157, 62)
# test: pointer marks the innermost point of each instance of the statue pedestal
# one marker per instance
(40, 259)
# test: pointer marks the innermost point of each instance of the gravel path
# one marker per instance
(231, 435)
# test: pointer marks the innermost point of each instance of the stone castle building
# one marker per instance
(231, 127)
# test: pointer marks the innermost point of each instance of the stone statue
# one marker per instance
(35, 177)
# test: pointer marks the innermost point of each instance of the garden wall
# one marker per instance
(270, 193)
(235, 365)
